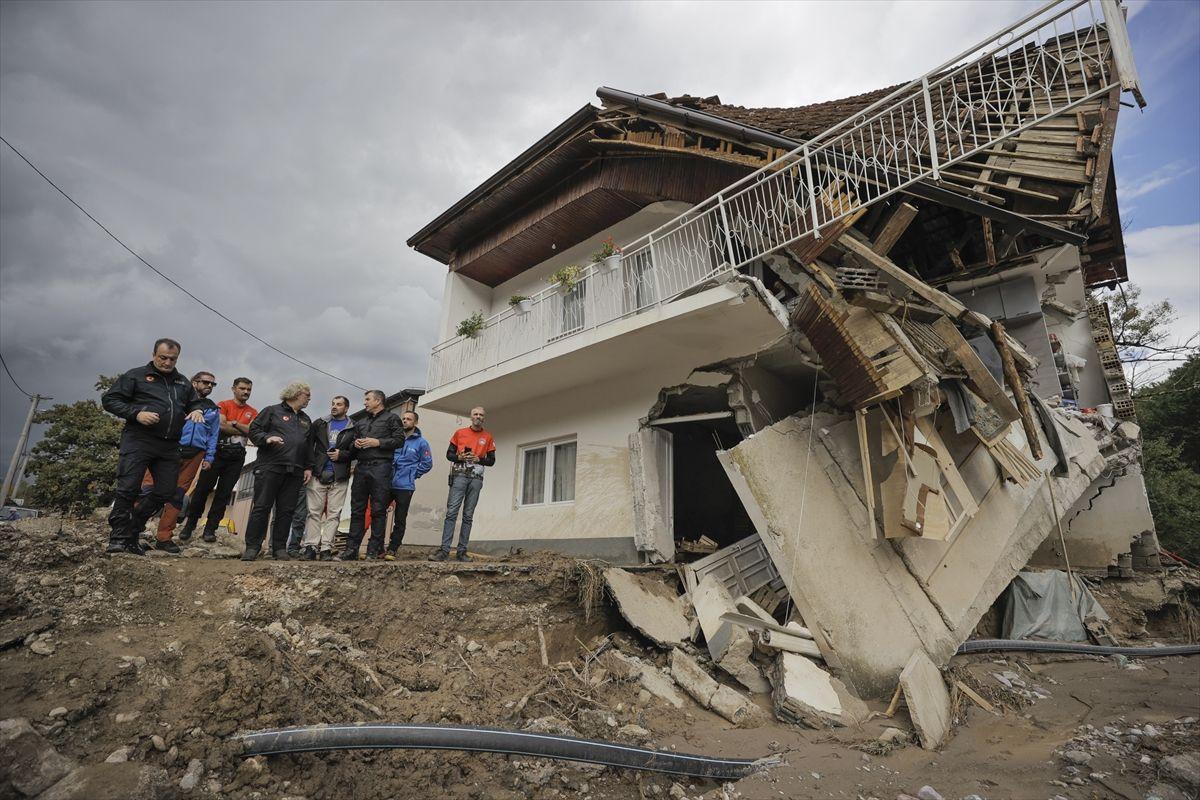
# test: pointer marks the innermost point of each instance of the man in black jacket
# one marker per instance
(284, 464)
(379, 434)
(154, 400)
(332, 442)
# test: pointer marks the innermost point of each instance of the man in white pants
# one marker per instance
(332, 441)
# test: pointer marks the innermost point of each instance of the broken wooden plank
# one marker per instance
(894, 228)
(989, 242)
(1018, 388)
(975, 697)
(864, 454)
(981, 379)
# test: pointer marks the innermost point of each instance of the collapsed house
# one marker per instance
(849, 347)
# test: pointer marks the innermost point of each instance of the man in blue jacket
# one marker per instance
(154, 400)
(412, 460)
(197, 448)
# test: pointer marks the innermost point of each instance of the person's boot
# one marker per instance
(167, 546)
(347, 555)
(439, 555)
(310, 553)
(390, 555)
(462, 556)
(209, 536)
(325, 555)
(189, 528)
(118, 545)
(249, 554)
(281, 554)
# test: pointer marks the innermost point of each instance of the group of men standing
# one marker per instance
(173, 431)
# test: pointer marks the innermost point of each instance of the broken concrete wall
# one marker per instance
(871, 603)
(1103, 524)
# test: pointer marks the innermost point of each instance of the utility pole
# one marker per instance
(11, 476)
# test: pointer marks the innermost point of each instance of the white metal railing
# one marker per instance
(1044, 65)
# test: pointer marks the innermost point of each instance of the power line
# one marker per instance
(14, 380)
(168, 278)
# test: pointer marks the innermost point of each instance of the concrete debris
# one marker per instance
(650, 607)
(1183, 769)
(729, 645)
(705, 690)
(805, 694)
(927, 699)
(653, 679)
(126, 781)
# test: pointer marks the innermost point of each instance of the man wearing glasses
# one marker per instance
(197, 448)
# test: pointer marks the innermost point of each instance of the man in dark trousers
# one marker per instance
(281, 433)
(379, 434)
(236, 416)
(154, 400)
(412, 460)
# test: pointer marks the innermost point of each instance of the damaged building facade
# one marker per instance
(852, 341)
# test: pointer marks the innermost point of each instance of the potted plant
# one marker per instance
(565, 277)
(470, 327)
(608, 255)
(520, 304)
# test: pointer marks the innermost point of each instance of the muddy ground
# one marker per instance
(156, 663)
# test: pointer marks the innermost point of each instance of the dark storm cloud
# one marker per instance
(274, 157)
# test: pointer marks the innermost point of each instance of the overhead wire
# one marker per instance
(11, 378)
(168, 278)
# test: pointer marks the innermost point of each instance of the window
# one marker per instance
(547, 473)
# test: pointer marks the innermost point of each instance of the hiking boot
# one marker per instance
(310, 553)
(116, 546)
(189, 528)
(346, 555)
(249, 555)
(390, 555)
(374, 556)
(167, 546)
(294, 553)
(209, 536)
(464, 557)
(282, 554)
(325, 555)
(440, 555)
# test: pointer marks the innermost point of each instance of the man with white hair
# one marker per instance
(284, 464)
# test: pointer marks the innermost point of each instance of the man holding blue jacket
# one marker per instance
(412, 459)
(197, 448)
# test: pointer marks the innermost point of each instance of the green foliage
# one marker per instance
(566, 277)
(471, 326)
(516, 298)
(75, 463)
(1168, 413)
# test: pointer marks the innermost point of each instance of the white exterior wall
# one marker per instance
(461, 298)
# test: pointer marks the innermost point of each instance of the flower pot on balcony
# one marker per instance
(522, 307)
(611, 263)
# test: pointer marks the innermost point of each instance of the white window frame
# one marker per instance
(547, 490)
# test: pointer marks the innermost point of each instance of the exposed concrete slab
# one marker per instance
(805, 694)
(653, 679)
(1102, 524)
(927, 700)
(650, 607)
(705, 690)
(729, 645)
(870, 603)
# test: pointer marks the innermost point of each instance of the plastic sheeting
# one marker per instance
(1040, 607)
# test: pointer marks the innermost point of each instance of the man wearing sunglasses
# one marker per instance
(197, 448)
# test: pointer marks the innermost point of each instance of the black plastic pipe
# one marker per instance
(1036, 646)
(364, 736)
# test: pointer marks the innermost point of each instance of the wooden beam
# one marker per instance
(894, 228)
(988, 242)
(1018, 389)
(981, 379)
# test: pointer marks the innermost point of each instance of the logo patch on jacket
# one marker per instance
(150, 379)
(286, 418)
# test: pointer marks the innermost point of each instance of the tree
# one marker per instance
(75, 462)
(1168, 412)
(1142, 333)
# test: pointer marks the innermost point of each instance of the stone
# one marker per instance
(554, 725)
(634, 732)
(474, 647)
(807, 695)
(125, 781)
(927, 699)
(191, 777)
(1165, 791)
(653, 679)
(158, 743)
(677, 792)
(1077, 757)
(1130, 431)
(118, 756)
(55, 713)
(1182, 769)
(27, 761)
(42, 648)
(126, 716)
(729, 645)
(893, 736)
(650, 606)
(928, 793)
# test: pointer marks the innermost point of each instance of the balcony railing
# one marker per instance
(1044, 65)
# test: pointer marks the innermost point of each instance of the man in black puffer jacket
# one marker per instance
(379, 433)
(154, 400)
(282, 435)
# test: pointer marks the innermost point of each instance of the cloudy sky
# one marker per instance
(274, 157)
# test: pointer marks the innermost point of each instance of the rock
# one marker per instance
(1129, 431)
(653, 680)
(677, 792)
(729, 645)
(158, 743)
(928, 793)
(191, 778)
(42, 648)
(474, 646)
(250, 771)
(55, 713)
(1183, 769)
(927, 699)
(213, 786)
(1077, 757)
(650, 606)
(555, 725)
(27, 761)
(127, 781)
(634, 732)
(805, 694)
(127, 716)
(893, 736)
(1165, 791)
(118, 756)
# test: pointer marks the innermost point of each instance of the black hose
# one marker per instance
(360, 736)
(1035, 646)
